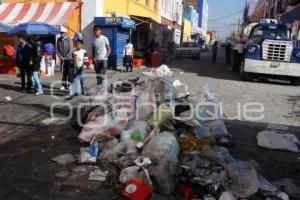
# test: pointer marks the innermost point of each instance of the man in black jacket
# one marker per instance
(23, 62)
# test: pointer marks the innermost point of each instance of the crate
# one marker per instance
(138, 62)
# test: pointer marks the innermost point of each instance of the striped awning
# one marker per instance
(51, 13)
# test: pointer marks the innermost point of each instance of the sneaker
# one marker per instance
(39, 93)
(69, 98)
(62, 88)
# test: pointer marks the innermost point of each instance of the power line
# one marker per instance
(230, 15)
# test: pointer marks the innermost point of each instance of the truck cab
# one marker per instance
(269, 51)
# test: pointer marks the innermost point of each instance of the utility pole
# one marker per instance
(239, 22)
(182, 23)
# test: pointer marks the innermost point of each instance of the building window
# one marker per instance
(147, 2)
(156, 5)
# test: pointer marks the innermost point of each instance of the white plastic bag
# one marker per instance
(123, 148)
(227, 195)
(216, 128)
(244, 181)
(104, 126)
(128, 173)
(165, 174)
(163, 144)
(273, 140)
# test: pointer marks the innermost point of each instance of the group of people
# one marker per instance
(28, 58)
(73, 58)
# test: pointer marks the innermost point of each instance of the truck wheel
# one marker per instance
(234, 61)
(244, 76)
(294, 81)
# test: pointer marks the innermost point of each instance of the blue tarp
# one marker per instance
(291, 16)
(4, 28)
(34, 28)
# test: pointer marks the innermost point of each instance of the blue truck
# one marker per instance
(269, 52)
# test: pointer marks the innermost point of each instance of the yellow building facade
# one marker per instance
(141, 8)
(146, 14)
(187, 30)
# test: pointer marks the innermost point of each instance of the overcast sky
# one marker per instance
(224, 15)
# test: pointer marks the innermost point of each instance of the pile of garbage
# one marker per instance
(156, 138)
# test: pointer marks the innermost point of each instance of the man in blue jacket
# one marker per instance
(23, 62)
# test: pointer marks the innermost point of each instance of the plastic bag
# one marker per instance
(164, 112)
(89, 155)
(244, 181)
(164, 90)
(104, 126)
(226, 196)
(164, 175)
(128, 173)
(273, 140)
(145, 103)
(289, 186)
(121, 149)
(163, 144)
(136, 131)
(216, 153)
(216, 128)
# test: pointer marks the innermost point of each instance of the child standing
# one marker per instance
(48, 55)
(80, 60)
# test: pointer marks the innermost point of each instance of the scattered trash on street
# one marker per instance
(55, 121)
(162, 71)
(98, 175)
(8, 98)
(149, 145)
(64, 159)
(273, 140)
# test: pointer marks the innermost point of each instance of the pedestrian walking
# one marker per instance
(214, 52)
(228, 51)
(81, 60)
(35, 61)
(101, 51)
(23, 57)
(64, 51)
(127, 55)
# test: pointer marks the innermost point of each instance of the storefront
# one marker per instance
(292, 19)
(117, 30)
(172, 31)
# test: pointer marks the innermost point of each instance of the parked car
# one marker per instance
(188, 50)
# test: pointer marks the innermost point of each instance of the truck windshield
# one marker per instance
(271, 31)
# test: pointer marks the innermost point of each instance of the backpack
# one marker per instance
(49, 48)
(9, 50)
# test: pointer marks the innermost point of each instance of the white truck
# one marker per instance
(269, 52)
(188, 50)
